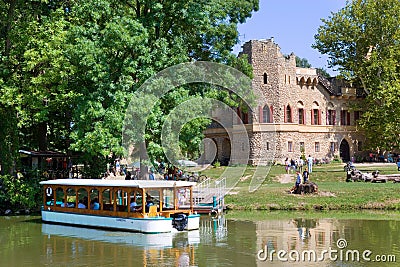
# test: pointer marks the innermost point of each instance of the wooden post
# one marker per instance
(191, 199)
(161, 199)
(143, 200)
(175, 200)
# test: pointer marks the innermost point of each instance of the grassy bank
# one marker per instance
(334, 193)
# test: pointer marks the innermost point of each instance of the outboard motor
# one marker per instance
(180, 221)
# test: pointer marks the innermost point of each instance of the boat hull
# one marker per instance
(143, 225)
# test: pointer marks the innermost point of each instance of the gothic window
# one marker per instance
(344, 117)
(301, 116)
(331, 117)
(317, 147)
(288, 114)
(265, 78)
(302, 147)
(266, 114)
(316, 114)
(315, 117)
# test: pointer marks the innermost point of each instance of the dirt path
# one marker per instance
(286, 178)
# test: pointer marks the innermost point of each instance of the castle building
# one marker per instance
(298, 112)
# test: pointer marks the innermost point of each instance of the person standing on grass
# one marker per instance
(300, 164)
(305, 176)
(298, 179)
(310, 161)
(287, 165)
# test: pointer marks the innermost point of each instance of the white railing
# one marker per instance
(206, 191)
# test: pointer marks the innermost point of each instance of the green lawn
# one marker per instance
(334, 192)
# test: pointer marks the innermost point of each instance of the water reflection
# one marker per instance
(110, 247)
(327, 242)
(162, 240)
(25, 241)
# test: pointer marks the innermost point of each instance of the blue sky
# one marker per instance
(293, 24)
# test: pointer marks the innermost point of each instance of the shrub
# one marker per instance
(217, 164)
(20, 193)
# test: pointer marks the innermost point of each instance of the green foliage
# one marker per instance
(69, 69)
(334, 192)
(302, 62)
(362, 41)
(217, 164)
(303, 154)
(20, 193)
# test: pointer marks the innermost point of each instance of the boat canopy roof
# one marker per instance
(119, 183)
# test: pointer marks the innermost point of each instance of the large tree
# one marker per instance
(69, 68)
(34, 97)
(363, 43)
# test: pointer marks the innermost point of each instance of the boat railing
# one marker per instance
(210, 192)
(200, 190)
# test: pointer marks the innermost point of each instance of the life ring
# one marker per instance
(214, 213)
(49, 191)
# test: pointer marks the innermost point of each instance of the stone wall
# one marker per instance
(284, 89)
(290, 88)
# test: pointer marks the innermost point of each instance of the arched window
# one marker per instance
(82, 198)
(316, 114)
(288, 114)
(71, 198)
(302, 115)
(331, 114)
(108, 199)
(266, 114)
(265, 78)
(60, 197)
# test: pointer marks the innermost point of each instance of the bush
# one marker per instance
(20, 193)
(217, 164)
(336, 159)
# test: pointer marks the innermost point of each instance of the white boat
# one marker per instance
(161, 240)
(129, 205)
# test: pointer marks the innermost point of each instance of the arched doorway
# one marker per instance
(344, 150)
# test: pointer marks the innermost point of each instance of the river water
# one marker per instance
(249, 239)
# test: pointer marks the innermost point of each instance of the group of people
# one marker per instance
(83, 204)
(94, 203)
(298, 164)
(135, 176)
(303, 187)
(135, 207)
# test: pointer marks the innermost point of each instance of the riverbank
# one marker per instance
(333, 192)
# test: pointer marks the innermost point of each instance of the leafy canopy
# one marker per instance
(69, 68)
(362, 41)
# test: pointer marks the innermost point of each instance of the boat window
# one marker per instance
(82, 198)
(94, 199)
(71, 197)
(152, 199)
(122, 200)
(60, 197)
(49, 196)
(136, 201)
(183, 195)
(108, 199)
(168, 195)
